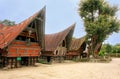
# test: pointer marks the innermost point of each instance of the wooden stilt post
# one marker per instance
(18, 62)
(33, 61)
(5, 62)
(13, 66)
(26, 61)
(11, 63)
(1, 61)
(29, 62)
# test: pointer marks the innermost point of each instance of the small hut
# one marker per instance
(21, 44)
(56, 45)
(76, 49)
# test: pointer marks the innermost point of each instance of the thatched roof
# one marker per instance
(53, 40)
(76, 43)
(9, 33)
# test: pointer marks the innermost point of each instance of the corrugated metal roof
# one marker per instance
(76, 43)
(9, 33)
(53, 40)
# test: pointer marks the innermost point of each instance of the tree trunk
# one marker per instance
(95, 46)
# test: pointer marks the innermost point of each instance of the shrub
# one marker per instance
(101, 53)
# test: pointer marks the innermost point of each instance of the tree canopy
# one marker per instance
(107, 48)
(7, 22)
(99, 20)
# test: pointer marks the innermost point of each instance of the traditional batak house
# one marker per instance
(21, 44)
(76, 49)
(56, 45)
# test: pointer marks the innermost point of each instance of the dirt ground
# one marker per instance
(66, 71)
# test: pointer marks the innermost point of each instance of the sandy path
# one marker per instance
(66, 71)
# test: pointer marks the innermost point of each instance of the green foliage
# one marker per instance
(107, 48)
(87, 8)
(101, 53)
(42, 61)
(116, 49)
(7, 22)
(99, 20)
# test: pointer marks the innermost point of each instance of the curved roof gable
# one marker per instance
(76, 43)
(53, 40)
(9, 33)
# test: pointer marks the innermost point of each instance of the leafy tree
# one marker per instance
(107, 48)
(101, 53)
(116, 48)
(7, 22)
(99, 21)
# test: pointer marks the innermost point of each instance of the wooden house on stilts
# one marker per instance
(22, 43)
(57, 45)
(79, 49)
(77, 46)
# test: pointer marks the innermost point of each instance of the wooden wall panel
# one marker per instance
(20, 49)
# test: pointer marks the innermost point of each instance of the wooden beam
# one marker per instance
(39, 18)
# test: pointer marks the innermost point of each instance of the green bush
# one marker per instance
(101, 53)
(42, 61)
(115, 54)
